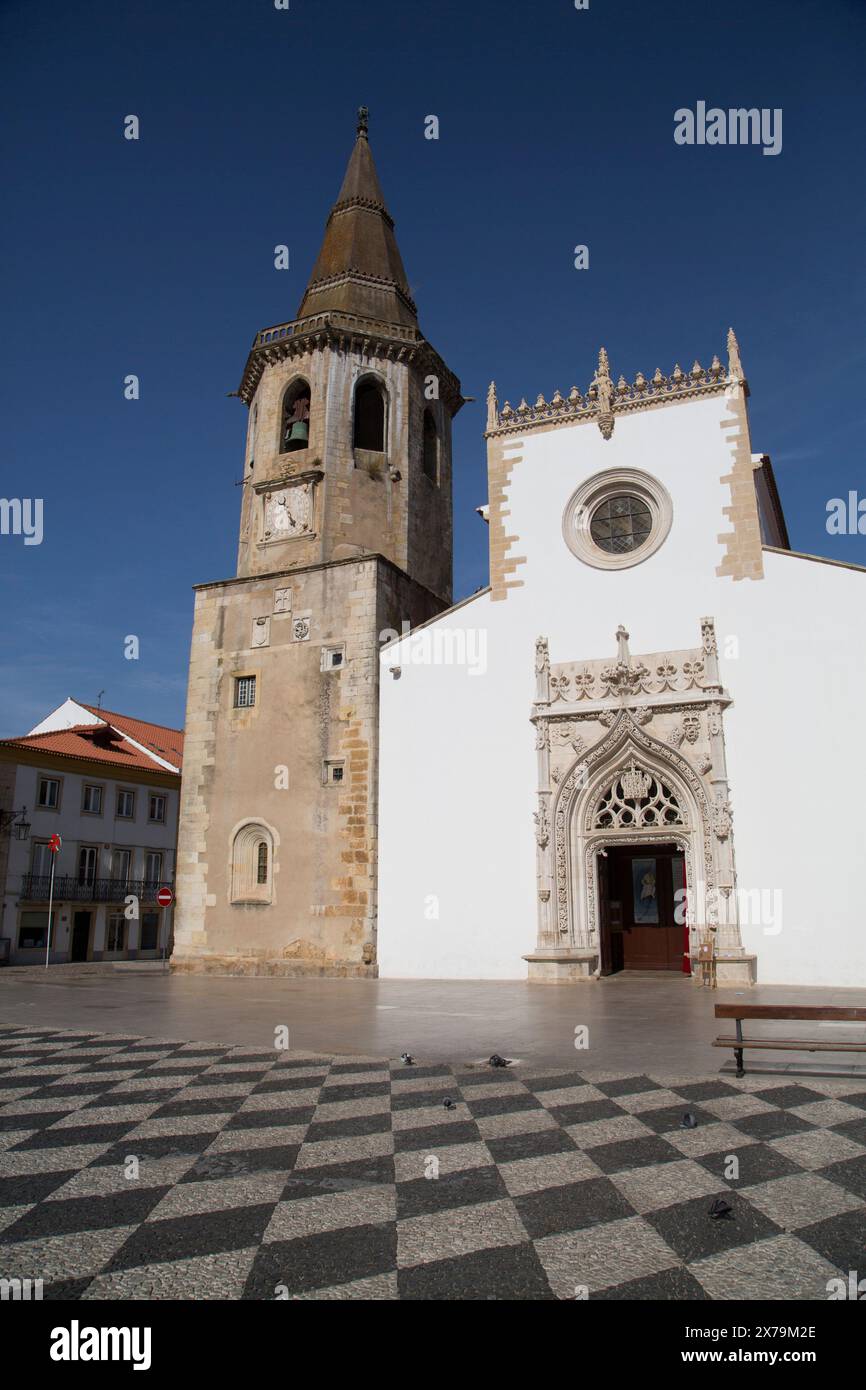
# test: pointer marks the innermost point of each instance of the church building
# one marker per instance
(629, 736)
(609, 760)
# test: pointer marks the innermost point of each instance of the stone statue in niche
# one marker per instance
(288, 512)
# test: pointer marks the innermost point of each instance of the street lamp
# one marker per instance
(20, 828)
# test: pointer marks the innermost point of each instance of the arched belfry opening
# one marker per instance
(368, 432)
(430, 448)
(295, 417)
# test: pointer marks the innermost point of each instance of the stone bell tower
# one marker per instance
(345, 534)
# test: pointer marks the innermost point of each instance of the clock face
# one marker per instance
(288, 512)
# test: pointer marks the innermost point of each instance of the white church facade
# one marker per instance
(643, 736)
(641, 741)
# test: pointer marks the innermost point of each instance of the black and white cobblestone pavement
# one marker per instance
(268, 1174)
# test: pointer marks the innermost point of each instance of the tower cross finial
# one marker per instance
(363, 121)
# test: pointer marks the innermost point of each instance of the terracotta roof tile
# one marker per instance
(164, 742)
(79, 742)
(112, 741)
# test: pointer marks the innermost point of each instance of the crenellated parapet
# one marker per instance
(604, 400)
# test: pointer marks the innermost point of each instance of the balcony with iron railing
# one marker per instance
(70, 888)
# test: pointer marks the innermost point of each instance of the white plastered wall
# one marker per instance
(457, 889)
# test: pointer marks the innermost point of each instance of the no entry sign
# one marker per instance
(165, 897)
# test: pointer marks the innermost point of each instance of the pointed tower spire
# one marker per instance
(359, 270)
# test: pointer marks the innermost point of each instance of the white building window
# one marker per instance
(125, 805)
(333, 770)
(252, 865)
(153, 867)
(120, 864)
(48, 797)
(40, 865)
(88, 857)
(91, 801)
(245, 692)
(156, 809)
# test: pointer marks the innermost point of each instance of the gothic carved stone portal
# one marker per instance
(622, 760)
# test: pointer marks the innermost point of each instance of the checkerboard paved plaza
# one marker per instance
(265, 1175)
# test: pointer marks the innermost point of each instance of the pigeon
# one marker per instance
(407, 1059)
(448, 1103)
(720, 1209)
(688, 1121)
(497, 1061)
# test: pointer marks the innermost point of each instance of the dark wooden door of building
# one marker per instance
(644, 883)
(80, 936)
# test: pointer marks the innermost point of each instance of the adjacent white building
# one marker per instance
(108, 785)
(644, 736)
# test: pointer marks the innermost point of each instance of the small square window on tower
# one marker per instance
(332, 771)
(333, 658)
(245, 692)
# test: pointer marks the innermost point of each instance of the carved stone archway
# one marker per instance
(579, 836)
(593, 734)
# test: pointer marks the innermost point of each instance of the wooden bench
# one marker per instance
(803, 1012)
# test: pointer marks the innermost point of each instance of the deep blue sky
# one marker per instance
(156, 258)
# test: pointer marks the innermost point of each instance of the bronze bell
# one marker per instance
(299, 433)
